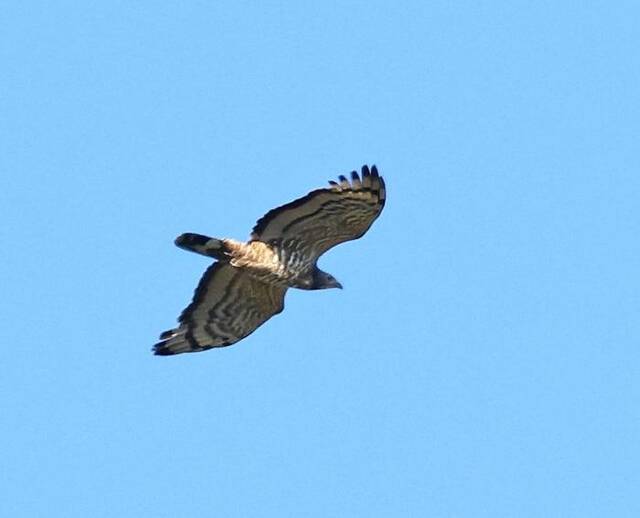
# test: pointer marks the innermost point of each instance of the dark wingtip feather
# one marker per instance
(166, 334)
(354, 176)
(365, 170)
(374, 171)
(160, 349)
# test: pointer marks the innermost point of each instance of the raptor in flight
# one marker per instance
(247, 284)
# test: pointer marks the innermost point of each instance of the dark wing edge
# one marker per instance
(228, 305)
(369, 182)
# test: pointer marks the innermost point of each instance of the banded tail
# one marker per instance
(204, 245)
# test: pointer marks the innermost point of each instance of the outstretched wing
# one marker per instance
(325, 218)
(228, 305)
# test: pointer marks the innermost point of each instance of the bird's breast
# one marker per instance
(266, 263)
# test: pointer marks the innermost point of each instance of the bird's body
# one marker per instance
(270, 263)
(248, 283)
(261, 261)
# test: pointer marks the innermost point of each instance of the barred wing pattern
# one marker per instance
(228, 305)
(325, 218)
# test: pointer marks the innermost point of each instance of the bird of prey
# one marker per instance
(247, 284)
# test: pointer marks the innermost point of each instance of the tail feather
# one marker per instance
(204, 245)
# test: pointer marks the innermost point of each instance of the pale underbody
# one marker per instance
(267, 263)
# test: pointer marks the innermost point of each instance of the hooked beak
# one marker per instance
(338, 285)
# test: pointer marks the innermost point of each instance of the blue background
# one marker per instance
(482, 359)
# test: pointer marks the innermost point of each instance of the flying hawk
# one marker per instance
(246, 286)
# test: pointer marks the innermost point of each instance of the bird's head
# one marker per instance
(323, 280)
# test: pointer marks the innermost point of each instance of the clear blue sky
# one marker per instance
(483, 359)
